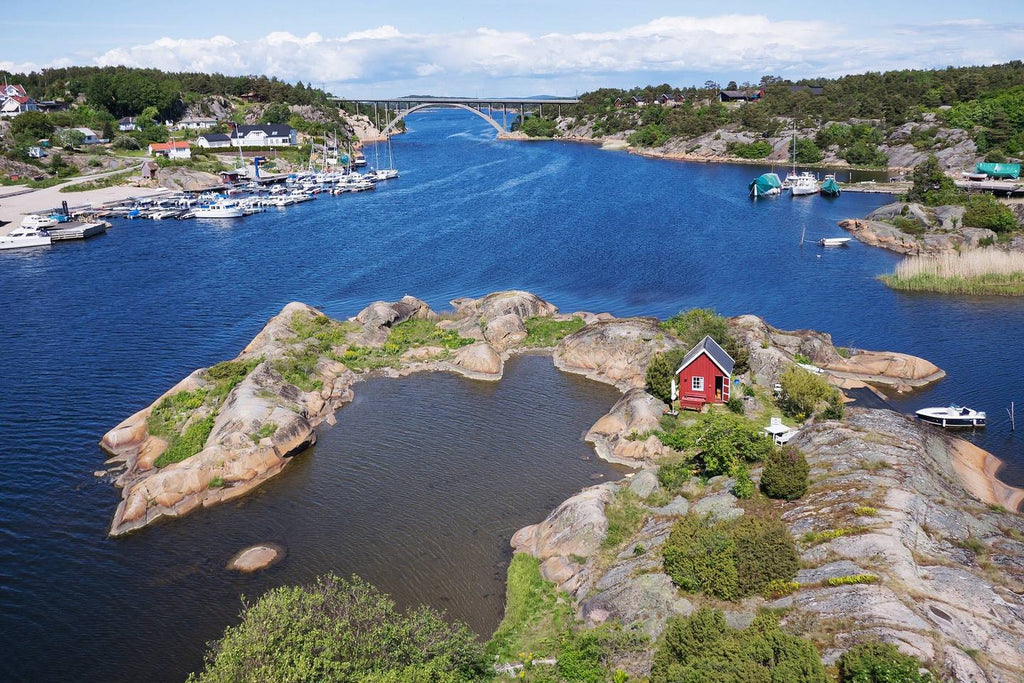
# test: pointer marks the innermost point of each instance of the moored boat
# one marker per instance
(804, 184)
(830, 187)
(766, 185)
(25, 237)
(220, 210)
(834, 241)
(952, 417)
(36, 222)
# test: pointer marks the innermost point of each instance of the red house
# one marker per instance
(704, 375)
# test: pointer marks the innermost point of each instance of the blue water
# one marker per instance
(95, 330)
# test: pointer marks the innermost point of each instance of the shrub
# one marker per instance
(802, 391)
(702, 647)
(744, 486)
(835, 407)
(673, 475)
(338, 630)
(777, 589)
(786, 474)
(693, 325)
(624, 517)
(720, 442)
(932, 187)
(587, 654)
(908, 226)
(879, 663)
(754, 150)
(985, 211)
(537, 127)
(735, 405)
(729, 560)
(661, 371)
(299, 368)
(188, 444)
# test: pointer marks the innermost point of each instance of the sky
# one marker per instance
(380, 48)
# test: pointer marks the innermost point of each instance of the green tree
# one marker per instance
(68, 138)
(31, 126)
(660, 372)
(786, 474)
(693, 325)
(341, 630)
(932, 187)
(276, 113)
(807, 152)
(539, 127)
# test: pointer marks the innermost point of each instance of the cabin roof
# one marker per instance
(215, 137)
(716, 353)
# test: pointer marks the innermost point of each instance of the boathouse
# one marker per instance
(704, 375)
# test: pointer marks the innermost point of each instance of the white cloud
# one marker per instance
(744, 45)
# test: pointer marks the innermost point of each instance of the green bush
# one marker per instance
(735, 405)
(851, 580)
(932, 187)
(693, 325)
(732, 559)
(880, 663)
(701, 648)
(299, 368)
(754, 150)
(672, 475)
(719, 442)
(340, 630)
(188, 444)
(985, 211)
(651, 135)
(802, 392)
(661, 371)
(908, 226)
(835, 407)
(786, 474)
(744, 486)
(538, 127)
(586, 655)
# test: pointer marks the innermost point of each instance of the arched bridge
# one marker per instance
(394, 110)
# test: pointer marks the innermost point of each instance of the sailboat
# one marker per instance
(388, 173)
(766, 185)
(800, 183)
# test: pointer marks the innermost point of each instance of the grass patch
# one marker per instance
(328, 332)
(187, 444)
(536, 614)
(226, 376)
(975, 272)
(624, 518)
(217, 483)
(542, 331)
(865, 511)
(403, 336)
(851, 580)
(298, 367)
(265, 430)
(816, 537)
(108, 181)
(778, 588)
(166, 419)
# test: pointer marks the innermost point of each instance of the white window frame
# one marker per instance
(696, 383)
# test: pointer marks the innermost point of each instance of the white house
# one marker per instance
(213, 140)
(267, 135)
(196, 123)
(127, 124)
(90, 137)
(175, 149)
(14, 100)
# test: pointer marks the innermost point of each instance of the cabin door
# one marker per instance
(725, 389)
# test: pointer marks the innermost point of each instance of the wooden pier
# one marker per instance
(77, 231)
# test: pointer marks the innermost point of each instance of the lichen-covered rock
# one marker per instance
(505, 331)
(377, 318)
(575, 528)
(521, 304)
(644, 483)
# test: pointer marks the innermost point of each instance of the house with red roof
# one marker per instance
(175, 149)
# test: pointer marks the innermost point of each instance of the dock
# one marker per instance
(77, 231)
(994, 186)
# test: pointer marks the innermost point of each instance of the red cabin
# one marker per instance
(704, 375)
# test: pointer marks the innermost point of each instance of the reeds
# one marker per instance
(979, 271)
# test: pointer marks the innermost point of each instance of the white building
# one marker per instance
(175, 149)
(90, 137)
(213, 140)
(267, 135)
(196, 123)
(14, 101)
(127, 124)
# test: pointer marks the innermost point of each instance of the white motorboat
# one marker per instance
(952, 417)
(833, 241)
(220, 210)
(36, 222)
(358, 159)
(25, 237)
(167, 213)
(803, 184)
(384, 174)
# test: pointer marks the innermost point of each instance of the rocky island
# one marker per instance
(904, 533)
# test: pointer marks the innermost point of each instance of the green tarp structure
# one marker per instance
(1011, 171)
(766, 184)
(830, 186)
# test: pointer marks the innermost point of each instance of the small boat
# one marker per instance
(952, 417)
(383, 174)
(833, 241)
(25, 237)
(830, 187)
(766, 185)
(36, 222)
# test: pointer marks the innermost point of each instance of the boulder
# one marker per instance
(575, 528)
(505, 331)
(378, 318)
(478, 361)
(720, 507)
(256, 557)
(678, 507)
(644, 483)
(633, 415)
(521, 304)
(614, 351)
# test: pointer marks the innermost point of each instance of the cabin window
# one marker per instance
(697, 384)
